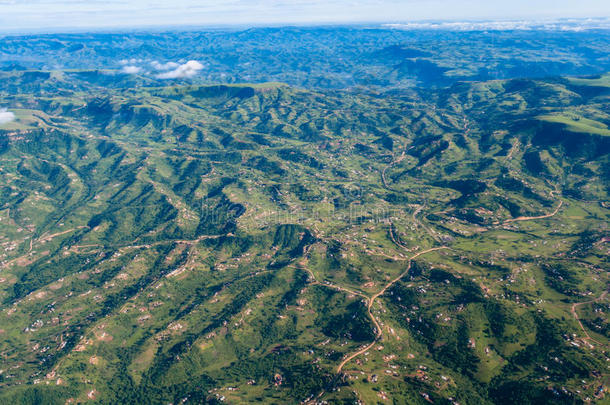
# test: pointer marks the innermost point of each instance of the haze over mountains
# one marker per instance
(305, 215)
(321, 57)
(37, 15)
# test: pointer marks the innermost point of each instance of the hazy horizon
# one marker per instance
(48, 15)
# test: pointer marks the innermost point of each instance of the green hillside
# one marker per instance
(265, 243)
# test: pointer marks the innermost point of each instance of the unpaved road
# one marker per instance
(538, 217)
(574, 306)
(370, 303)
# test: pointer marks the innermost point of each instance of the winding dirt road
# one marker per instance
(396, 160)
(371, 301)
(44, 238)
(538, 217)
(574, 306)
(334, 286)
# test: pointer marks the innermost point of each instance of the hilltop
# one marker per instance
(265, 242)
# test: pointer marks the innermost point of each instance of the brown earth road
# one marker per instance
(426, 228)
(43, 239)
(417, 210)
(538, 217)
(513, 149)
(574, 306)
(334, 286)
(371, 301)
(395, 240)
(184, 242)
(132, 246)
(396, 160)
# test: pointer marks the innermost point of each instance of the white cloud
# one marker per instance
(42, 15)
(132, 70)
(551, 25)
(164, 66)
(189, 69)
(132, 61)
(166, 70)
(6, 116)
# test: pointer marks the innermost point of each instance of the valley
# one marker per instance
(207, 243)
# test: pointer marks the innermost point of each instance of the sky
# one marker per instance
(36, 15)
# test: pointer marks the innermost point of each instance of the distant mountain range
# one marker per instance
(327, 57)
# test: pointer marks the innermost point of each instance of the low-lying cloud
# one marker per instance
(6, 116)
(132, 61)
(131, 70)
(521, 25)
(187, 70)
(164, 66)
(161, 70)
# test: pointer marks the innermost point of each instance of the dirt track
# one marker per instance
(573, 309)
(371, 301)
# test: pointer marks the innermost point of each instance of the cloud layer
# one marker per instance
(161, 70)
(164, 66)
(45, 14)
(557, 25)
(6, 116)
(131, 69)
(187, 70)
